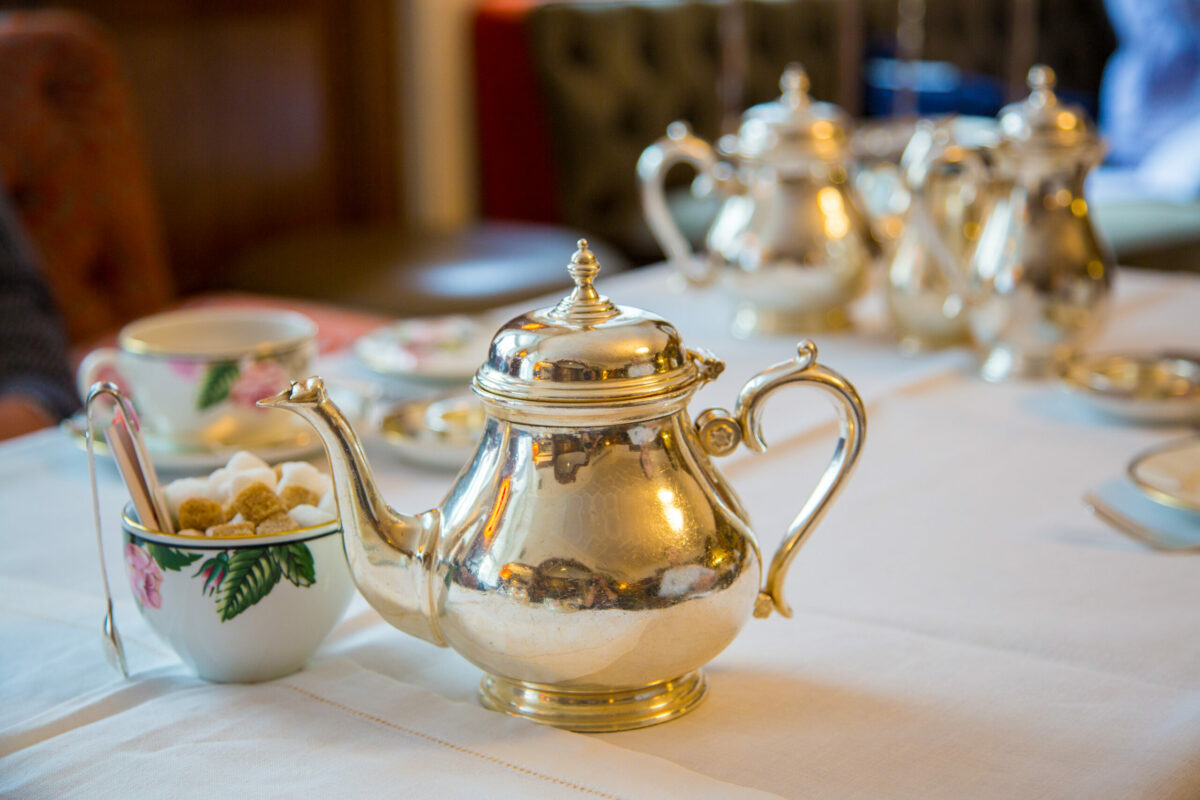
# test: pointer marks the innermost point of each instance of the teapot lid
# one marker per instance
(793, 125)
(586, 349)
(1042, 119)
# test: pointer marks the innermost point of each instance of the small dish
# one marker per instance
(437, 349)
(441, 433)
(1152, 388)
(1170, 473)
(1126, 509)
(241, 608)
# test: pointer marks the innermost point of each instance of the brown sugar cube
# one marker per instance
(278, 469)
(256, 502)
(293, 496)
(200, 513)
(232, 529)
(277, 523)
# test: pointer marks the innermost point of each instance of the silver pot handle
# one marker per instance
(678, 146)
(720, 433)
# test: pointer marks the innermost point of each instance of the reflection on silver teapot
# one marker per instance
(789, 241)
(590, 558)
(1038, 279)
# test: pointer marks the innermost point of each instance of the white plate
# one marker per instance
(1149, 388)
(441, 433)
(446, 348)
(1170, 473)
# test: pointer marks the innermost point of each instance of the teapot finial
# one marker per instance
(794, 84)
(1041, 78)
(584, 303)
(584, 266)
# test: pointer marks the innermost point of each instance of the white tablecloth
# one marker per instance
(963, 627)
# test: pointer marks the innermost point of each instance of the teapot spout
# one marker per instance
(391, 555)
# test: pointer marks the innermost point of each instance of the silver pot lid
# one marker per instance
(794, 126)
(586, 349)
(1041, 119)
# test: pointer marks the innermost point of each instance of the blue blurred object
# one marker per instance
(1151, 87)
(940, 88)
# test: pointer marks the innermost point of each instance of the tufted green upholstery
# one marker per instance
(614, 75)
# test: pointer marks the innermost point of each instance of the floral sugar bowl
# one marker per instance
(251, 597)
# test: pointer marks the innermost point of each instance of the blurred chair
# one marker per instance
(72, 160)
(569, 94)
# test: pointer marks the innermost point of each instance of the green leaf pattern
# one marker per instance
(216, 384)
(253, 572)
(170, 557)
(296, 561)
(239, 578)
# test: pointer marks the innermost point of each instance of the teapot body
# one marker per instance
(805, 255)
(1039, 276)
(592, 559)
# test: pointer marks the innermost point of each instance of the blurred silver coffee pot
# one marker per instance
(948, 186)
(789, 241)
(1038, 279)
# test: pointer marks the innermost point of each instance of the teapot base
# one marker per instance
(594, 711)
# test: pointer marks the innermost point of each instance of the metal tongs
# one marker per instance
(125, 441)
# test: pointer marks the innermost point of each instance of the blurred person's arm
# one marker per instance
(36, 385)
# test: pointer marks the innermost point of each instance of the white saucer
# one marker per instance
(440, 349)
(174, 457)
(1170, 473)
(441, 433)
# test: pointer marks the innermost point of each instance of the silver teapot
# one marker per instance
(948, 190)
(789, 240)
(1038, 279)
(589, 558)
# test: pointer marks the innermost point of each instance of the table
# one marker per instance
(963, 627)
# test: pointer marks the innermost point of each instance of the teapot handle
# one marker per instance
(678, 146)
(933, 154)
(720, 434)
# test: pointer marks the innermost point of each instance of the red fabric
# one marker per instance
(516, 170)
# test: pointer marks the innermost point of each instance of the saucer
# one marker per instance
(171, 456)
(441, 433)
(436, 349)
(1174, 527)
(1170, 473)
(1154, 388)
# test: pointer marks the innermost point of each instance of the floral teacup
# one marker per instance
(240, 608)
(195, 375)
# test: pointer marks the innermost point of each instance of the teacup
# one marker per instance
(240, 608)
(194, 375)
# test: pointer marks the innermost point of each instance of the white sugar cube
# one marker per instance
(302, 474)
(307, 516)
(219, 484)
(242, 460)
(328, 503)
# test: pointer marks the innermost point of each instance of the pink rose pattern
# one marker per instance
(144, 576)
(258, 380)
